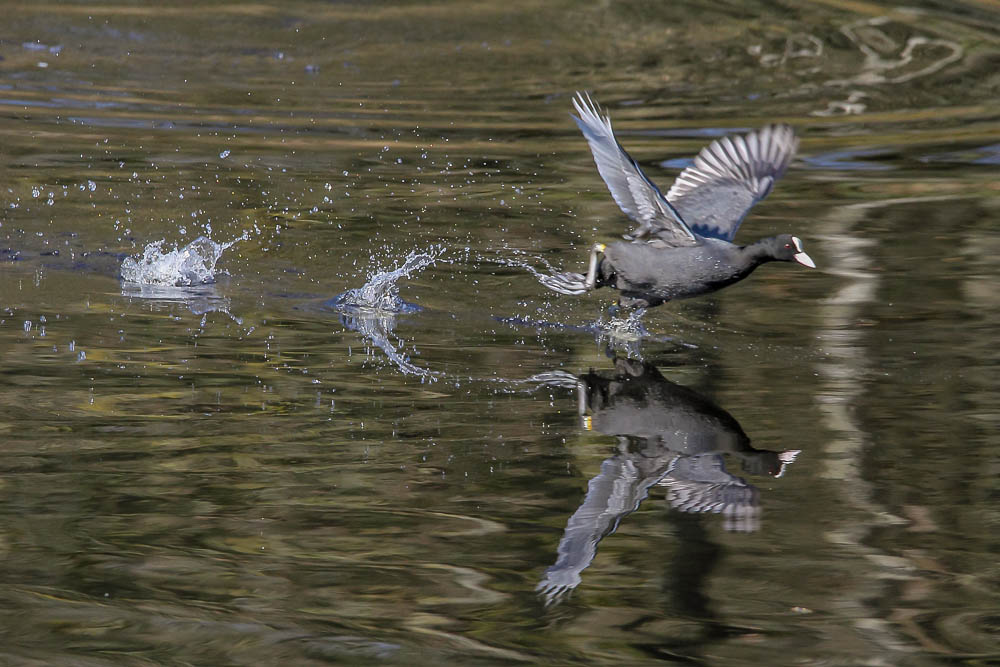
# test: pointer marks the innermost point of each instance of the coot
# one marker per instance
(682, 246)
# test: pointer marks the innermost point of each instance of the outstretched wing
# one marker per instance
(700, 483)
(635, 194)
(729, 176)
(612, 494)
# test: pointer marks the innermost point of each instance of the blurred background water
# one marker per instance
(800, 469)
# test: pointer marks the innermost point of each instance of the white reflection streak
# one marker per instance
(844, 372)
(376, 326)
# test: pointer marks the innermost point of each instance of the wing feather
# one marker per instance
(635, 194)
(729, 176)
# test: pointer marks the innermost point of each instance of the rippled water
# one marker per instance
(798, 469)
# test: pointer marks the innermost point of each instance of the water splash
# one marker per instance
(380, 292)
(629, 327)
(371, 309)
(194, 264)
(520, 259)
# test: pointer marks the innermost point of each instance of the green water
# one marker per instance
(241, 474)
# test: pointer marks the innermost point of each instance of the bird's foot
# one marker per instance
(565, 283)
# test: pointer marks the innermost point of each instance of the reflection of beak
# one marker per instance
(801, 257)
(787, 458)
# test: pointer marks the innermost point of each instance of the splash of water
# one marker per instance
(371, 309)
(515, 260)
(626, 328)
(381, 291)
(194, 264)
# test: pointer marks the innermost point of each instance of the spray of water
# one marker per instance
(370, 309)
(519, 259)
(194, 264)
(381, 291)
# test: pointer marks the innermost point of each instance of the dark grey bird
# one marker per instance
(682, 246)
(668, 435)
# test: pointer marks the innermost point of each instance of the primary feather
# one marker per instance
(635, 194)
(710, 198)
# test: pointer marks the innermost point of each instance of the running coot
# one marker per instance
(682, 246)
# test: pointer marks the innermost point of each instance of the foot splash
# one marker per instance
(380, 292)
(194, 264)
(371, 309)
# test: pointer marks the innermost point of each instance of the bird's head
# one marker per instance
(788, 248)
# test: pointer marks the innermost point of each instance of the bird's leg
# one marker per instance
(581, 407)
(591, 279)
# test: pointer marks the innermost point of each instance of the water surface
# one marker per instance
(242, 472)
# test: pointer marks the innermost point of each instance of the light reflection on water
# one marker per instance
(237, 473)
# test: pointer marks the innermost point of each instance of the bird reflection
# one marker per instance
(668, 435)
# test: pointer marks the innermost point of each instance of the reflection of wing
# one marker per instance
(611, 495)
(701, 484)
(635, 194)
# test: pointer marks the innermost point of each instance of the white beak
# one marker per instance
(804, 260)
(801, 257)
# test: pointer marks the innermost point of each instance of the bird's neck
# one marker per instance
(757, 253)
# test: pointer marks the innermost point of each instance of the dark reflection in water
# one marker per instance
(668, 435)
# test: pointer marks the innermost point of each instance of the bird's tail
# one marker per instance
(565, 283)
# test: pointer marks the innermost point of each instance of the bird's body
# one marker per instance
(682, 246)
(648, 276)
